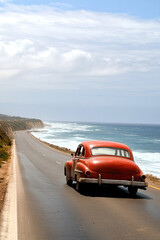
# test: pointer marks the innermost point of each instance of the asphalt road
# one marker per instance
(48, 209)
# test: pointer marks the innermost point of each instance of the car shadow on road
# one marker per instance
(110, 192)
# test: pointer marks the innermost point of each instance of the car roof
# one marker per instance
(97, 143)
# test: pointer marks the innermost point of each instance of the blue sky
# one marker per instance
(81, 60)
(140, 8)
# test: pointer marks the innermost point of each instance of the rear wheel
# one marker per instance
(69, 181)
(132, 190)
(78, 186)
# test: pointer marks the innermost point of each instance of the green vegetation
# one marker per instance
(4, 154)
(5, 141)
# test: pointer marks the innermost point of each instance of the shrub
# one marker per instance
(4, 155)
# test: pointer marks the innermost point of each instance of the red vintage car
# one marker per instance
(104, 162)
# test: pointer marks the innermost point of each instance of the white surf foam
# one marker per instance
(149, 162)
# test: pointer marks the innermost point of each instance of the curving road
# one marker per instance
(48, 209)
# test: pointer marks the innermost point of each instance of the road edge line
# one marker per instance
(157, 188)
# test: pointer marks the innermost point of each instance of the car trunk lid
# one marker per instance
(113, 165)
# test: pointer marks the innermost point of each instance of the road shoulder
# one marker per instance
(8, 218)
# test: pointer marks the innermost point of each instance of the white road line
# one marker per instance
(58, 163)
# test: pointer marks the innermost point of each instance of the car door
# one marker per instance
(79, 153)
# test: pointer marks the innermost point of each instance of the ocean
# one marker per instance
(144, 140)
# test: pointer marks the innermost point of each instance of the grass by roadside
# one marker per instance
(4, 179)
(5, 160)
(5, 142)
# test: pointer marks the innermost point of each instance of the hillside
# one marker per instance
(10, 124)
(6, 136)
(18, 123)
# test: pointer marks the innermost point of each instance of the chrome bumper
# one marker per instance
(114, 182)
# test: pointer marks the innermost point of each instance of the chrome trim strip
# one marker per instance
(77, 171)
(132, 182)
(112, 181)
(99, 179)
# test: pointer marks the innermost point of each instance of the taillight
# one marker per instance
(87, 172)
(143, 177)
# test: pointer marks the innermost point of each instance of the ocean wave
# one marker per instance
(148, 161)
(70, 144)
(147, 156)
(67, 127)
(130, 135)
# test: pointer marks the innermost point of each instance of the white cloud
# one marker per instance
(5, 1)
(17, 47)
(41, 46)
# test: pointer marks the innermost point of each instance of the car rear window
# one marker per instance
(110, 151)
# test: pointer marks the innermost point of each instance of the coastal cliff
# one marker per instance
(18, 123)
(10, 124)
(25, 124)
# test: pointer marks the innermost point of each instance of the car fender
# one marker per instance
(80, 170)
(67, 169)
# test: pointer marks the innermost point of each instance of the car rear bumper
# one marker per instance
(101, 181)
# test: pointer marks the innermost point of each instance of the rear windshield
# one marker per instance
(110, 151)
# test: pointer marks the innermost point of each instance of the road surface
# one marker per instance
(48, 209)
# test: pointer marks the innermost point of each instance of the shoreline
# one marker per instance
(155, 181)
(55, 147)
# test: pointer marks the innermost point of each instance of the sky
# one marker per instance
(88, 60)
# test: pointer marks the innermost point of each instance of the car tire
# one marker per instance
(132, 190)
(69, 181)
(78, 186)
